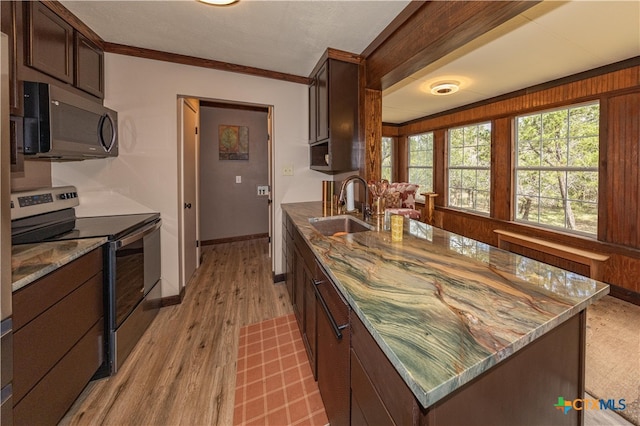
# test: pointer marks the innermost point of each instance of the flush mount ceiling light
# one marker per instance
(442, 88)
(218, 2)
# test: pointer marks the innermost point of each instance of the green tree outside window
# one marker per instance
(556, 170)
(470, 167)
(420, 168)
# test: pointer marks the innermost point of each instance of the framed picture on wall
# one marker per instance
(233, 142)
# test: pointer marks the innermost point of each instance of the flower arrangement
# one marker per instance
(378, 191)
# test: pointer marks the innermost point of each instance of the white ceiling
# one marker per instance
(549, 41)
(283, 36)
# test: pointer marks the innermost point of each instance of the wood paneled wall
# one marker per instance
(373, 132)
(619, 216)
(618, 91)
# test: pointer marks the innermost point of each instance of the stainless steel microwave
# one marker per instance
(59, 124)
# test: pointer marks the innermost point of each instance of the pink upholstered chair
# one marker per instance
(401, 199)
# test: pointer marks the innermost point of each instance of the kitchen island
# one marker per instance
(462, 322)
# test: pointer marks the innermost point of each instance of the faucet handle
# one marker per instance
(366, 211)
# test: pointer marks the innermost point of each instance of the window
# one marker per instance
(470, 167)
(557, 168)
(387, 158)
(421, 162)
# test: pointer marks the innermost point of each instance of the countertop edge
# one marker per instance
(427, 399)
(60, 261)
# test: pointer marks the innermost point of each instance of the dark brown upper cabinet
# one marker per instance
(333, 116)
(10, 16)
(49, 42)
(89, 66)
(55, 51)
(322, 99)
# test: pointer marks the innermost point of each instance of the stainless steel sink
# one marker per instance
(339, 225)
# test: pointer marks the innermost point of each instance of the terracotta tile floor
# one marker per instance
(274, 382)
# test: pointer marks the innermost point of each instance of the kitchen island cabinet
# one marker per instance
(299, 266)
(323, 319)
(441, 322)
(334, 340)
(304, 305)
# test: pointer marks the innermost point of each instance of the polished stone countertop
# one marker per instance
(444, 308)
(32, 261)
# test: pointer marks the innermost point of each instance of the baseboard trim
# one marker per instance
(233, 239)
(173, 300)
(624, 294)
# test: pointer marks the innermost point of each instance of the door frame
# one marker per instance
(180, 200)
(270, 163)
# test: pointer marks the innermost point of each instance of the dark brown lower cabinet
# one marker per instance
(58, 342)
(522, 389)
(309, 337)
(334, 340)
(377, 390)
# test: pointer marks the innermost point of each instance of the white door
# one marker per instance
(189, 200)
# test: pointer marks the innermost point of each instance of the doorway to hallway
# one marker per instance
(233, 175)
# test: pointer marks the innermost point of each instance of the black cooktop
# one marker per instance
(113, 227)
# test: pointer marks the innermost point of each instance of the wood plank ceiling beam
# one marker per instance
(435, 29)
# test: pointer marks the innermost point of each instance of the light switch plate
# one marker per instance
(263, 190)
(238, 179)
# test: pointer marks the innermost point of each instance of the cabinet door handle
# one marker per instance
(337, 329)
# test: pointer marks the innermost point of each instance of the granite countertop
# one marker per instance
(442, 307)
(32, 261)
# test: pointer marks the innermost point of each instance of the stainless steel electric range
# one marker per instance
(131, 264)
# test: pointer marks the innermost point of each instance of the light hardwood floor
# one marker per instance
(183, 369)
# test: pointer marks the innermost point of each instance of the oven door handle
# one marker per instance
(138, 235)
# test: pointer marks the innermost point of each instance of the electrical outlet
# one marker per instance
(263, 190)
(287, 170)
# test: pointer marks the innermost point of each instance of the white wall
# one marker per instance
(144, 177)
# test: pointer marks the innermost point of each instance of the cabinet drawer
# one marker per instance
(48, 401)
(337, 307)
(366, 405)
(392, 390)
(44, 341)
(333, 343)
(40, 295)
(302, 246)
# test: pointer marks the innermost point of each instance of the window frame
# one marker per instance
(550, 169)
